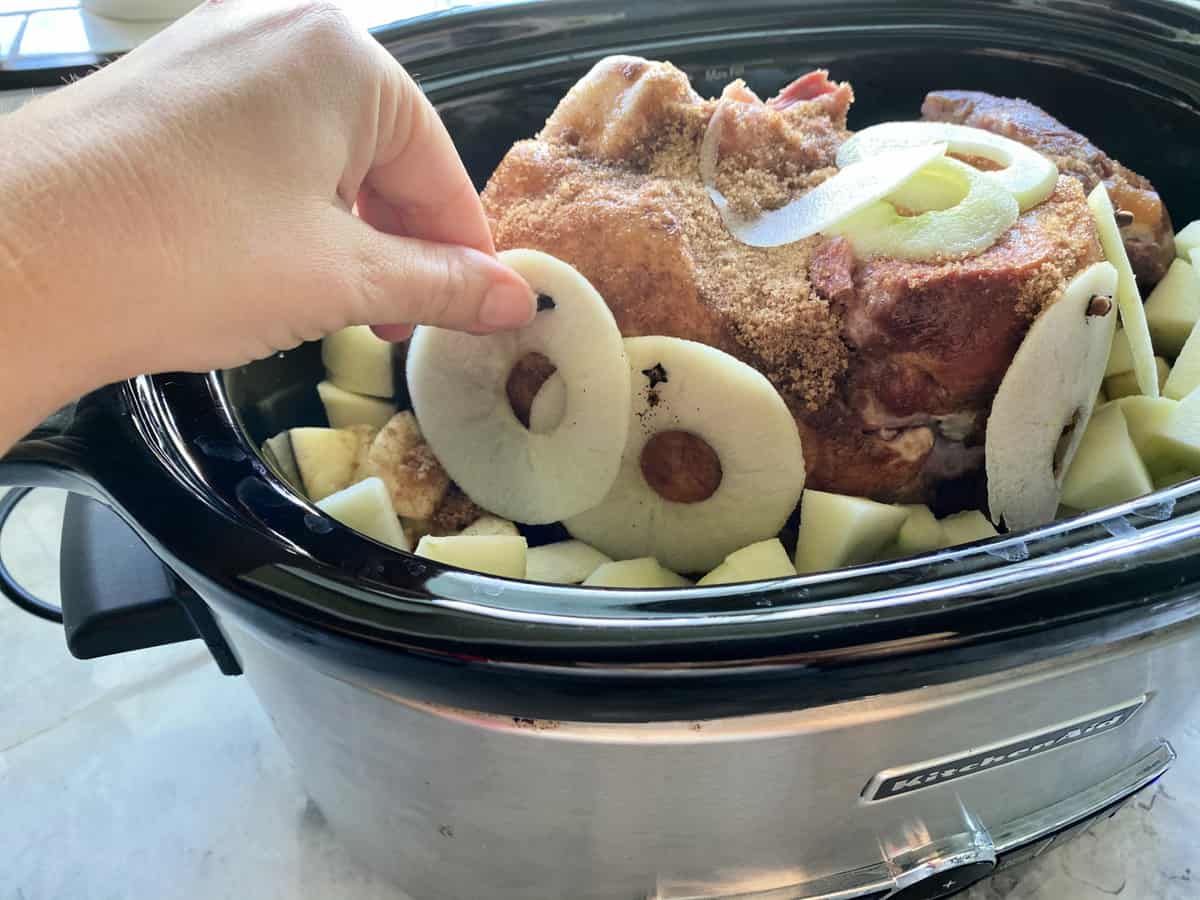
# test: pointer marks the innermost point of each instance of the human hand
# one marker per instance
(193, 201)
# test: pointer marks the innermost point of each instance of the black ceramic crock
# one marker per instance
(174, 454)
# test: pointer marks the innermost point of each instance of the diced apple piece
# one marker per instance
(345, 408)
(564, 562)
(1173, 308)
(1181, 433)
(760, 561)
(635, 573)
(366, 507)
(491, 525)
(278, 452)
(1107, 468)
(356, 360)
(1172, 478)
(1133, 315)
(1146, 418)
(326, 459)
(1187, 239)
(1185, 374)
(965, 528)
(493, 554)
(920, 533)
(1120, 357)
(837, 530)
(1126, 385)
(413, 475)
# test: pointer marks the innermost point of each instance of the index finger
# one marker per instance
(417, 185)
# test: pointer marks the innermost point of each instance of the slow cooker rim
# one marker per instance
(195, 439)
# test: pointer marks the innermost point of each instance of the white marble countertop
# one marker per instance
(149, 775)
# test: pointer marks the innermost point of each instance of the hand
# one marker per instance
(191, 205)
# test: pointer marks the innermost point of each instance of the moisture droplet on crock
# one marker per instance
(317, 524)
(1119, 526)
(1157, 512)
(1017, 552)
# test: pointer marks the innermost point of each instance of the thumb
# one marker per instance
(407, 281)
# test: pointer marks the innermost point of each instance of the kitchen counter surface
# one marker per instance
(150, 775)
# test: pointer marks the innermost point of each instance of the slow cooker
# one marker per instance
(895, 730)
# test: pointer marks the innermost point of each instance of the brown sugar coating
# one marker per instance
(888, 366)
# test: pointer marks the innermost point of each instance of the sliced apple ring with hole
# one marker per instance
(1043, 404)
(984, 213)
(1027, 175)
(1133, 314)
(713, 461)
(457, 384)
(849, 190)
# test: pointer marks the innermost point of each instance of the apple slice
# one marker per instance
(1133, 315)
(713, 461)
(1185, 374)
(345, 408)
(564, 562)
(326, 459)
(278, 452)
(1126, 385)
(1173, 308)
(1120, 357)
(1187, 239)
(1107, 468)
(1042, 406)
(645, 572)
(966, 527)
(1146, 418)
(458, 387)
(491, 525)
(356, 360)
(760, 561)
(493, 554)
(366, 507)
(837, 530)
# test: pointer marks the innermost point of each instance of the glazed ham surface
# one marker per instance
(888, 366)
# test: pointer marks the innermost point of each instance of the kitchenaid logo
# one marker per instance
(894, 782)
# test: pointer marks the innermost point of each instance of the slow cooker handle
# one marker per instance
(116, 594)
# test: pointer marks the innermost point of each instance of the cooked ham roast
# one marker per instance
(888, 366)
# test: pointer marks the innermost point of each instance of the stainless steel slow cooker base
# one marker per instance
(456, 804)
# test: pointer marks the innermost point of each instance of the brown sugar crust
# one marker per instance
(888, 366)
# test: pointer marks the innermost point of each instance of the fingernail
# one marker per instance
(507, 306)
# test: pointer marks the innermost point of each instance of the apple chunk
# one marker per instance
(838, 530)
(1173, 308)
(1187, 239)
(367, 507)
(356, 360)
(1126, 385)
(1107, 468)
(760, 561)
(563, 562)
(326, 459)
(493, 554)
(1146, 418)
(966, 528)
(345, 408)
(644, 572)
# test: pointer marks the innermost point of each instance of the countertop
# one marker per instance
(149, 775)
